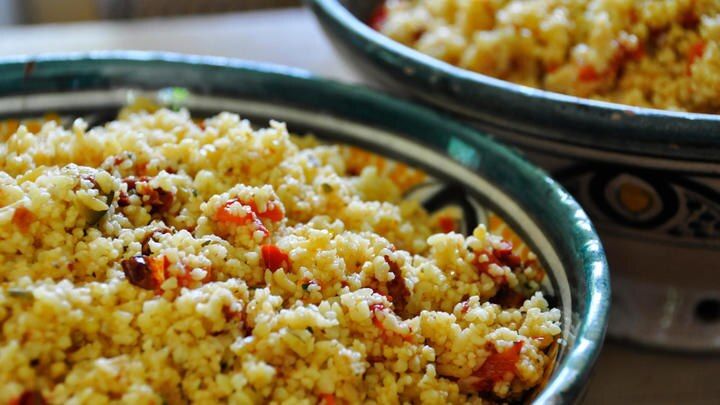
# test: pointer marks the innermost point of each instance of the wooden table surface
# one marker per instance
(624, 374)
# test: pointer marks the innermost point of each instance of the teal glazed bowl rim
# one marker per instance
(504, 106)
(565, 225)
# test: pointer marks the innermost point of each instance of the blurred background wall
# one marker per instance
(48, 11)
(8, 12)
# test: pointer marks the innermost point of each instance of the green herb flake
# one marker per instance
(20, 293)
(327, 188)
(305, 286)
(95, 216)
(173, 97)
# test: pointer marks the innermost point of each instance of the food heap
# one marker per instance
(661, 54)
(164, 259)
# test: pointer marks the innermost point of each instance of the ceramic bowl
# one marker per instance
(478, 171)
(649, 179)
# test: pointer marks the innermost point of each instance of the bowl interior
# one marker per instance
(540, 211)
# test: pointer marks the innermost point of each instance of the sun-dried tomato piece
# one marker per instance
(502, 256)
(397, 289)
(496, 367)
(29, 397)
(152, 236)
(159, 200)
(146, 272)
(696, 51)
(23, 218)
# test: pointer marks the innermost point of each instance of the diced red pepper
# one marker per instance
(552, 67)
(502, 256)
(505, 248)
(378, 17)
(142, 168)
(496, 366)
(199, 122)
(587, 73)
(375, 308)
(23, 218)
(273, 211)
(505, 256)
(696, 51)
(158, 266)
(224, 214)
(634, 16)
(447, 224)
(327, 399)
(231, 314)
(274, 258)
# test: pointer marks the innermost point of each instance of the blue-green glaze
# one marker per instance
(567, 228)
(502, 106)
